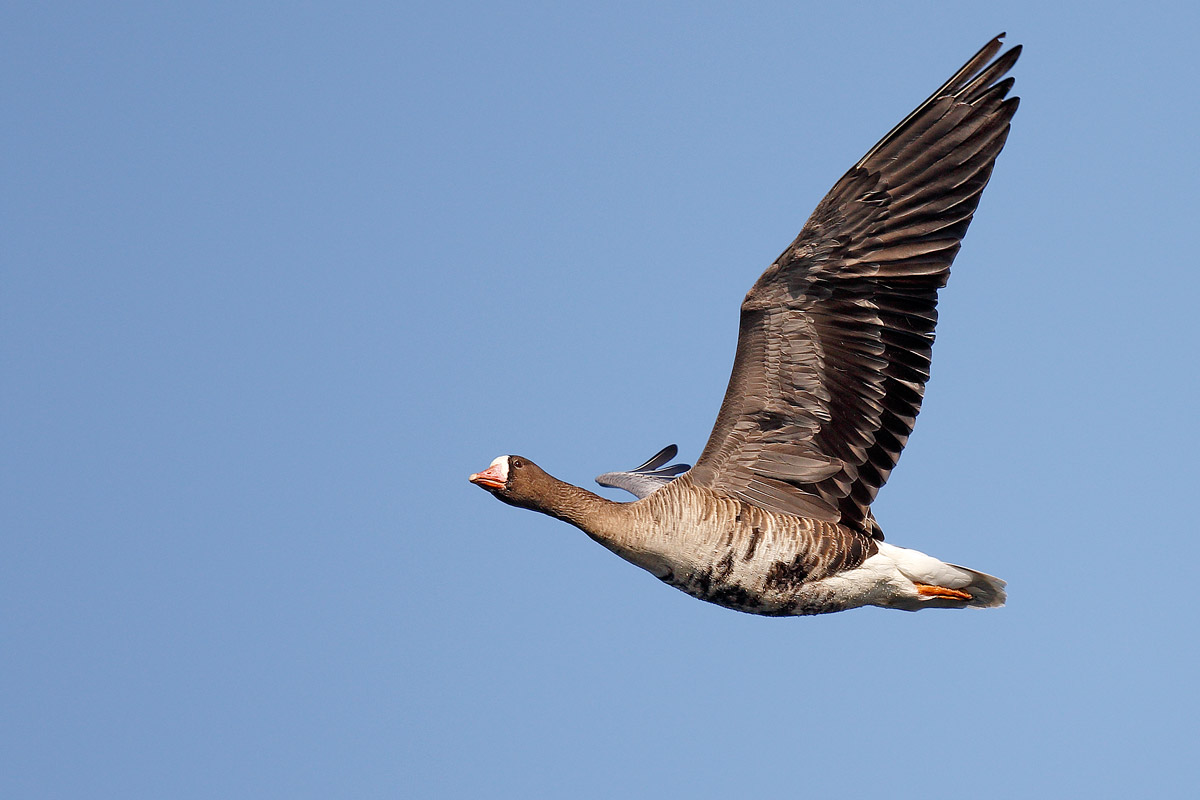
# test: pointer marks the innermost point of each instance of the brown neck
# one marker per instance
(586, 511)
(628, 529)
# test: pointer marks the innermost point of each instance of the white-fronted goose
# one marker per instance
(832, 359)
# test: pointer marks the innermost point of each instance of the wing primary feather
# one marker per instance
(956, 81)
(658, 459)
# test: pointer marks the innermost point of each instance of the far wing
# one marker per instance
(641, 481)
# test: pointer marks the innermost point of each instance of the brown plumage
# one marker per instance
(832, 359)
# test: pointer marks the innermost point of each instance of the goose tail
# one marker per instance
(925, 582)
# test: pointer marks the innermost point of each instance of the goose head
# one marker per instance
(515, 480)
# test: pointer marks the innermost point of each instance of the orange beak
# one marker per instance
(490, 478)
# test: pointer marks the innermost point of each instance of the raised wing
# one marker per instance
(836, 336)
(641, 481)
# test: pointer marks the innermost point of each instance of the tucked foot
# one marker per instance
(941, 591)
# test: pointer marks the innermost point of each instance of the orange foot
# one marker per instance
(941, 591)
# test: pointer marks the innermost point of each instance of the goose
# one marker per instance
(833, 355)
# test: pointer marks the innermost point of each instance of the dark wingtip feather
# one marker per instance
(965, 84)
(986, 80)
(658, 459)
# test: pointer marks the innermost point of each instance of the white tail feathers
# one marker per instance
(987, 591)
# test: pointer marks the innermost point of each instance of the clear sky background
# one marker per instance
(276, 277)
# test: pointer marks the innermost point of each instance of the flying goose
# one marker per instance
(832, 359)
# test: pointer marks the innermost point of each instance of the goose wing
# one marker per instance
(835, 337)
(652, 475)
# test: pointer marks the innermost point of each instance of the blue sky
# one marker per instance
(274, 279)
